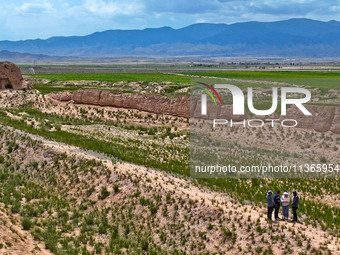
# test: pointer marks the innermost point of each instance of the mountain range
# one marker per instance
(294, 37)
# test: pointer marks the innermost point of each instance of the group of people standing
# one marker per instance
(274, 203)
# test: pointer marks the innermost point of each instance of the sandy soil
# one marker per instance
(209, 201)
(16, 241)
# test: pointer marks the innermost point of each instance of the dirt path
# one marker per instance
(209, 200)
(186, 188)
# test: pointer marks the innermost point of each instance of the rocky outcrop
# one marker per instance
(324, 118)
(144, 102)
(335, 127)
(148, 102)
(107, 98)
(63, 96)
(11, 78)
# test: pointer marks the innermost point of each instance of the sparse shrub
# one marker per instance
(144, 201)
(116, 188)
(104, 193)
(210, 226)
(323, 160)
(26, 224)
(144, 245)
(228, 235)
(153, 208)
(102, 229)
(89, 220)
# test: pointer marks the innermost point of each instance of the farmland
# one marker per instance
(105, 180)
(321, 80)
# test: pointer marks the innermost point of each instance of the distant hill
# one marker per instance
(294, 37)
(18, 57)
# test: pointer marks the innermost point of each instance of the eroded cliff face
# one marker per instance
(324, 118)
(144, 102)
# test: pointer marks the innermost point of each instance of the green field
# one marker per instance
(178, 82)
(322, 80)
(315, 80)
(114, 77)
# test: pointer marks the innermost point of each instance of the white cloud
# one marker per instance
(35, 7)
(111, 8)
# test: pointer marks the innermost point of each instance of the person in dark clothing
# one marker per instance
(295, 205)
(270, 204)
(277, 204)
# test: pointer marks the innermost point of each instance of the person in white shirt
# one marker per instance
(285, 199)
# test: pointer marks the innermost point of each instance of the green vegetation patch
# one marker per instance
(113, 77)
(322, 80)
(130, 150)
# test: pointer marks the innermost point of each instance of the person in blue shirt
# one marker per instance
(277, 202)
(295, 205)
(270, 204)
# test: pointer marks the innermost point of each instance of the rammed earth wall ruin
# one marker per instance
(324, 118)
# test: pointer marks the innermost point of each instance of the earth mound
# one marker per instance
(11, 78)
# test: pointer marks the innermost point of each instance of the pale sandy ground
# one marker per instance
(308, 144)
(213, 200)
(16, 241)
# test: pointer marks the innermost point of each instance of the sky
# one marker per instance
(31, 19)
